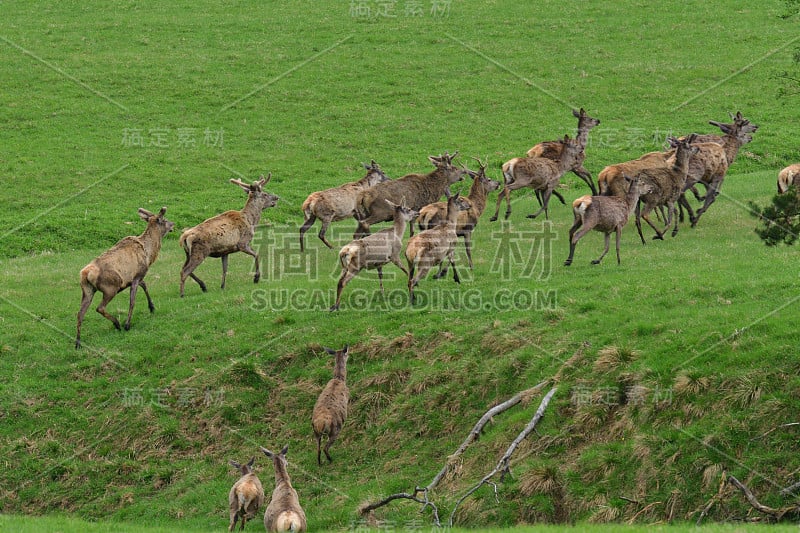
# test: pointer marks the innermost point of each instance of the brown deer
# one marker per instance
(122, 266)
(283, 512)
(337, 203)
(246, 496)
(666, 183)
(434, 214)
(711, 163)
(227, 233)
(374, 251)
(539, 173)
(415, 191)
(606, 214)
(431, 247)
(552, 149)
(330, 411)
(788, 177)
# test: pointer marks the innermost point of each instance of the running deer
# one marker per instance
(605, 214)
(539, 173)
(227, 233)
(337, 203)
(124, 265)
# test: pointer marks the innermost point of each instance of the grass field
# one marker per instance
(672, 369)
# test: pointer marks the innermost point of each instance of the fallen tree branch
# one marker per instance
(503, 465)
(777, 514)
(452, 459)
(791, 489)
(790, 424)
(723, 483)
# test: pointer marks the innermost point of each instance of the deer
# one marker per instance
(283, 512)
(431, 247)
(789, 177)
(246, 496)
(432, 215)
(414, 190)
(666, 186)
(375, 250)
(330, 410)
(539, 173)
(123, 266)
(227, 233)
(552, 149)
(711, 163)
(337, 203)
(605, 214)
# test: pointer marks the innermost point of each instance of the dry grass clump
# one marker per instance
(612, 357)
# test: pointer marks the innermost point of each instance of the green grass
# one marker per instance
(673, 367)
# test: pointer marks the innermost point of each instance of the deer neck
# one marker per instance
(399, 226)
(452, 214)
(340, 370)
(731, 146)
(151, 242)
(583, 135)
(281, 475)
(252, 212)
(681, 165)
(477, 195)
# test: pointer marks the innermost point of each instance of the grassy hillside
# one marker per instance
(672, 368)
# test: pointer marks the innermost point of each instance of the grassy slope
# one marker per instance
(694, 319)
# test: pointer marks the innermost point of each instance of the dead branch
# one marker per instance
(777, 514)
(503, 465)
(644, 510)
(451, 459)
(723, 483)
(790, 424)
(407, 496)
(790, 490)
(476, 431)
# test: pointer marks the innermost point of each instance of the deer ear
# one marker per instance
(234, 464)
(346, 347)
(284, 450)
(144, 214)
(266, 452)
(251, 462)
(330, 351)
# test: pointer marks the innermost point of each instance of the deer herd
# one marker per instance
(655, 183)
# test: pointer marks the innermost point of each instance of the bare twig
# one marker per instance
(452, 459)
(503, 464)
(644, 510)
(723, 483)
(790, 424)
(777, 514)
(791, 489)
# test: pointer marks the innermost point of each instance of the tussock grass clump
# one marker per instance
(611, 358)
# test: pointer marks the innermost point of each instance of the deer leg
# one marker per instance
(252, 252)
(659, 235)
(188, 270)
(468, 247)
(396, 260)
(711, 194)
(134, 286)
(607, 240)
(107, 297)
(345, 278)
(639, 222)
(619, 236)
(452, 259)
(319, 448)
(224, 269)
(149, 300)
(380, 277)
(572, 240)
(584, 174)
(697, 193)
(508, 202)
(86, 301)
(560, 198)
(545, 201)
(325, 225)
(304, 228)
